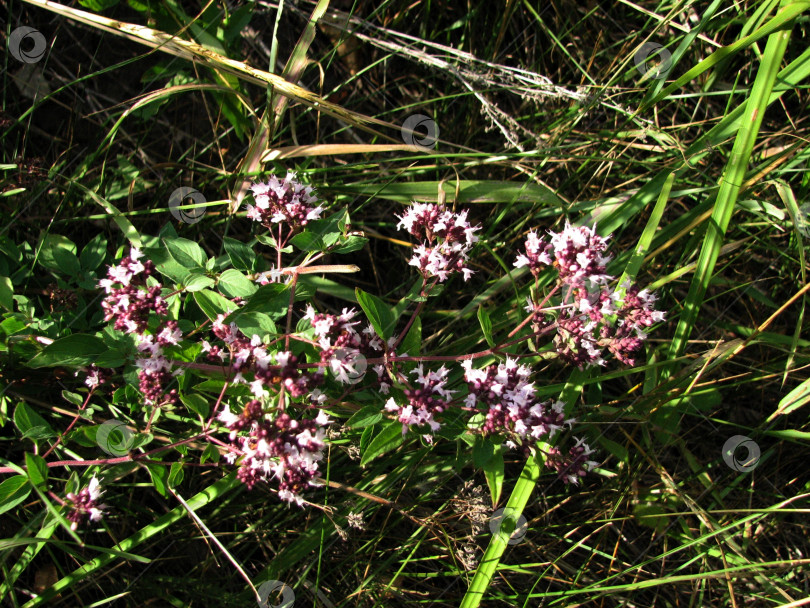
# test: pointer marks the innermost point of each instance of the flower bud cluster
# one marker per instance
(279, 447)
(447, 239)
(510, 405)
(431, 397)
(593, 317)
(286, 200)
(573, 466)
(344, 349)
(84, 504)
(128, 299)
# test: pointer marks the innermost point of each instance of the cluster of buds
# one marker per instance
(286, 200)
(431, 397)
(575, 465)
(281, 447)
(510, 406)
(250, 355)
(447, 239)
(84, 504)
(344, 349)
(155, 370)
(128, 299)
(593, 317)
(96, 376)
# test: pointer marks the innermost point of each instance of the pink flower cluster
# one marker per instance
(424, 402)
(593, 317)
(250, 355)
(511, 407)
(131, 302)
(281, 447)
(447, 239)
(128, 299)
(84, 504)
(576, 252)
(345, 349)
(575, 465)
(286, 200)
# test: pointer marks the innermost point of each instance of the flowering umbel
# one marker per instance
(277, 446)
(283, 200)
(593, 317)
(84, 504)
(447, 239)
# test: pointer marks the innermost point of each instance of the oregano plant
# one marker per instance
(270, 375)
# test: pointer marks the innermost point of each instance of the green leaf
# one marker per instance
(371, 414)
(188, 253)
(234, 284)
(272, 299)
(351, 243)
(197, 403)
(166, 264)
(160, 477)
(6, 294)
(13, 491)
(483, 450)
(379, 314)
(94, 252)
(37, 469)
(176, 474)
(413, 341)
(242, 256)
(111, 358)
(59, 253)
(197, 282)
(31, 424)
(255, 324)
(210, 453)
(75, 349)
(213, 304)
(486, 325)
(493, 471)
(307, 241)
(389, 438)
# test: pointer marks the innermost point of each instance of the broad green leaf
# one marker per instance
(176, 474)
(242, 256)
(188, 253)
(13, 491)
(197, 403)
(37, 469)
(213, 304)
(75, 349)
(255, 324)
(371, 414)
(160, 476)
(234, 284)
(389, 438)
(493, 471)
(59, 253)
(197, 282)
(6, 294)
(94, 252)
(378, 312)
(31, 424)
